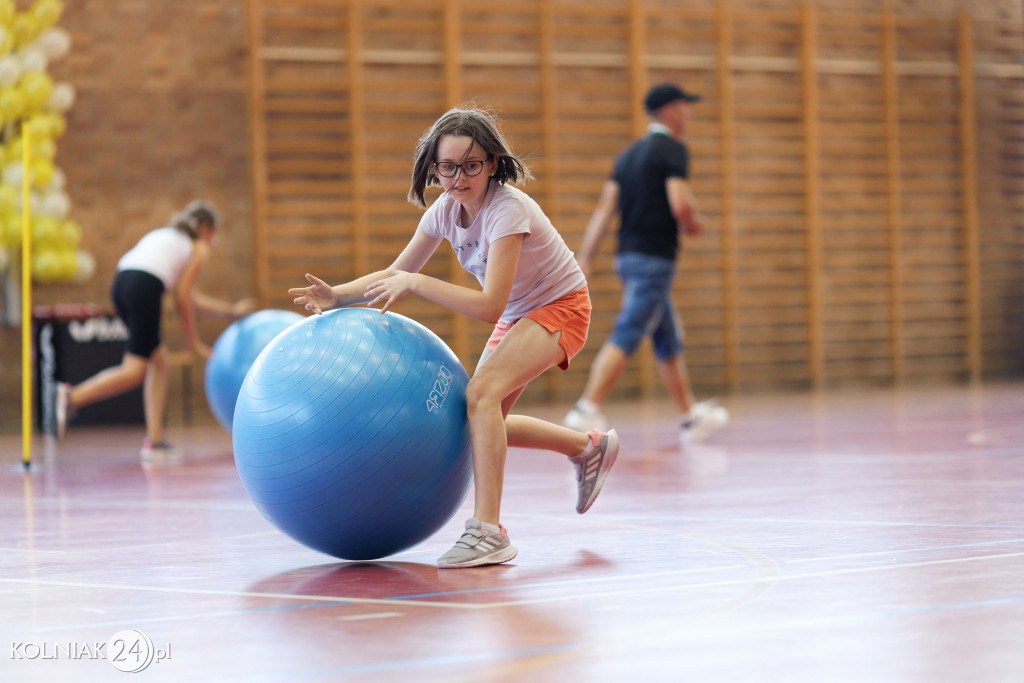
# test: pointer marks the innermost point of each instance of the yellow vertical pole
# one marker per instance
(26, 301)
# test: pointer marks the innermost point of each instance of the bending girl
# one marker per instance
(169, 258)
(532, 290)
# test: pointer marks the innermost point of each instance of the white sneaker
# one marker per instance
(62, 409)
(705, 417)
(585, 416)
(159, 452)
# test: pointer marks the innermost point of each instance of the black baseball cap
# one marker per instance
(660, 95)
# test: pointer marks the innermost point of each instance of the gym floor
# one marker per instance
(855, 536)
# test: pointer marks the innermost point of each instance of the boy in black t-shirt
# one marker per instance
(650, 190)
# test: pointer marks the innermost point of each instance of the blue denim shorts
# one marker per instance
(647, 308)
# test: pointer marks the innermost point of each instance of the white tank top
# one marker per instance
(162, 252)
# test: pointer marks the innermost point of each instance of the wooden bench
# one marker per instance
(184, 360)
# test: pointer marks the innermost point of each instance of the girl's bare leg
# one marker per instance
(110, 382)
(526, 351)
(154, 395)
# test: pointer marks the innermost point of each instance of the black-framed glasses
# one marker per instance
(448, 169)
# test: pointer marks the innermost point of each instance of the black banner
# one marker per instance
(74, 349)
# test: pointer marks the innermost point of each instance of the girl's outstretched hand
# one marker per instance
(318, 297)
(387, 291)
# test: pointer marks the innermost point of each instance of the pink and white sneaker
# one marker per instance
(592, 466)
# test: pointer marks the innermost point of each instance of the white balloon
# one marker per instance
(13, 173)
(55, 43)
(55, 204)
(57, 182)
(32, 59)
(10, 70)
(62, 97)
(85, 267)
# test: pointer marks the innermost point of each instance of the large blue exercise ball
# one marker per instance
(234, 353)
(350, 433)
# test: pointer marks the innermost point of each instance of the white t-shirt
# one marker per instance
(547, 269)
(162, 252)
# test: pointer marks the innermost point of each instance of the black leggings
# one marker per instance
(138, 299)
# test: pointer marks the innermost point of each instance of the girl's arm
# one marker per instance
(183, 294)
(320, 296)
(486, 305)
(219, 307)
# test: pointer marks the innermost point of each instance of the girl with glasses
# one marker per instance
(530, 288)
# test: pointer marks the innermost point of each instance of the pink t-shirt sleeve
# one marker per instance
(429, 222)
(547, 269)
(506, 217)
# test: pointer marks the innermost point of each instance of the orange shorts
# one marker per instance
(569, 315)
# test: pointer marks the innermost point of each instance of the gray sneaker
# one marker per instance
(592, 466)
(477, 547)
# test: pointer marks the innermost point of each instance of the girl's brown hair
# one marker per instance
(474, 123)
(194, 216)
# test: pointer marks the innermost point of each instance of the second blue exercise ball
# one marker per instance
(350, 433)
(233, 354)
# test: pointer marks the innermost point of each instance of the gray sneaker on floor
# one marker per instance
(592, 466)
(478, 546)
